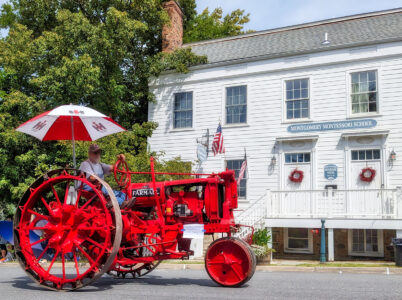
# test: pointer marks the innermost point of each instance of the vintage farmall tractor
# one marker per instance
(84, 233)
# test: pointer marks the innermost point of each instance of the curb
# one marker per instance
(349, 270)
(273, 269)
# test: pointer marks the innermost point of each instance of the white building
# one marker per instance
(324, 98)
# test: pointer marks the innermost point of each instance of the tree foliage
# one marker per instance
(99, 53)
(212, 25)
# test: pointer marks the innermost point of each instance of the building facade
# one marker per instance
(317, 109)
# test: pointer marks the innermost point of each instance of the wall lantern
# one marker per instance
(392, 155)
(273, 160)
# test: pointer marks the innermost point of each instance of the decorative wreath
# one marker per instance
(296, 176)
(367, 174)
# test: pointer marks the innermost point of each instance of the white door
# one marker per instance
(297, 203)
(365, 199)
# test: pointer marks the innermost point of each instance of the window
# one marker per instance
(298, 240)
(297, 99)
(235, 165)
(371, 154)
(297, 158)
(236, 104)
(364, 92)
(183, 110)
(365, 242)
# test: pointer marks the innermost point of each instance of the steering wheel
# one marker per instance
(121, 174)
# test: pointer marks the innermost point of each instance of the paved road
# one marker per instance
(195, 284)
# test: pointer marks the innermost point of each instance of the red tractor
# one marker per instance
(83, 234)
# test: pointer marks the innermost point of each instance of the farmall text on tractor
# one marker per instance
(85, 234)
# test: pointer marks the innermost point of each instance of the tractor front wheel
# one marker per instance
(230, 262)
(66, 236)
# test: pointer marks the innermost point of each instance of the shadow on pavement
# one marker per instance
(107, 282)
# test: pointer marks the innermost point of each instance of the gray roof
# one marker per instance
(345, 32)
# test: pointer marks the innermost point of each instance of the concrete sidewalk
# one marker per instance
(324, 268)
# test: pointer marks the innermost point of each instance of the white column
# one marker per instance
(269, 229)
(331, 252)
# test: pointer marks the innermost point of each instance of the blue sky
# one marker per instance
(266, 14)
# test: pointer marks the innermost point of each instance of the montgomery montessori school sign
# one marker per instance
(337, 125)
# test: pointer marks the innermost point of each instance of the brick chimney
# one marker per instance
(172, 33)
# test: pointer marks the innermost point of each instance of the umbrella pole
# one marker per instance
(72, 138)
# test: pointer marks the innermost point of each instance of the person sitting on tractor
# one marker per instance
(94, 166)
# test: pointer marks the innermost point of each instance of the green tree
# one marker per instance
(206, 25)
(97, 53)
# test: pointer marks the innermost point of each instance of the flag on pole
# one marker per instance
(217, 144)
(202, 154)
(243, 168)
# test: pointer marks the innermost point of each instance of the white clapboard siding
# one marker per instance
(329, 100)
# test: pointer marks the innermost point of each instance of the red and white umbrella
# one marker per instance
(70, 122)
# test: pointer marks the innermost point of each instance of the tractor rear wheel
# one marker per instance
(230, 262)
(133, 271)
(67, 237)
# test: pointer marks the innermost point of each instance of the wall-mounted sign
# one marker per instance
(330, 172)
(337, 125)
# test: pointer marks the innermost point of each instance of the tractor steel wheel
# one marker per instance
(230, 262)
(66, 237)
(124, 267)
(133, 271)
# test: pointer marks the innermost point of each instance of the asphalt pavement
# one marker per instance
(195, 284)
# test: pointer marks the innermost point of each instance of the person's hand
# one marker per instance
(121, 157)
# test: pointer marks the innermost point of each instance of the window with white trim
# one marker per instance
(183, 110)
(235, 165)
(365, 242)
(366, 154)
(236, 104)
(291, 158)
(298, 240)
(364, 92)
(297, 99)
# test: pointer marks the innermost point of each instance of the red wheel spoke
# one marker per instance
(56, 195)
(37, 242)
(66, 192)
(236, 272)
(38, 215)
(63, 265)
(52, 262)
(86, 203)
(46, 205)
(76, 263)
(85, 254)
(153, 252)
(216, 262)
(43, 252)
(95, 243)
(78, 197)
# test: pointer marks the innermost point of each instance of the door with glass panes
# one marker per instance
(297, 203)
(368, 201)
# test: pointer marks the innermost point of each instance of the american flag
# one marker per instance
(217, 144)
(243, 169)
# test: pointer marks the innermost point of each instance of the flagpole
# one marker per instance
(73, 140)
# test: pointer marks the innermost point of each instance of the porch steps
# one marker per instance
(252, 217)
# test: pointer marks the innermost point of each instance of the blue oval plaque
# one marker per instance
(330, 172)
